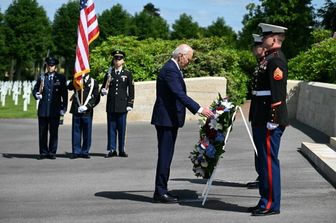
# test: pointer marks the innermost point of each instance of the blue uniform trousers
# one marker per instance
(166, 143)
(81, 132)
(46, 124)
(268, 144)
(116, 126)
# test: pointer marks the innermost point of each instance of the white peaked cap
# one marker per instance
(257, 38)
(271, 29)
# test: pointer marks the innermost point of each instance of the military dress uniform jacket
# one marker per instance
(120, 91)
(269, 91)
(91, 102)
(54, 95)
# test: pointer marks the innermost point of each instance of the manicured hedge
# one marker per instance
(213, 57)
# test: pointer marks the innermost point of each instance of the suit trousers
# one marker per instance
(81, 134)
(166, 137)
(116, 126)
(50, 124)
(268, 144)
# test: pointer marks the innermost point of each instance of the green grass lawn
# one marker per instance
(16, 111)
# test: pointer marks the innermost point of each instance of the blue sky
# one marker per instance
(204, 12)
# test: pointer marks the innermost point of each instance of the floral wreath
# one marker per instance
(212, 137)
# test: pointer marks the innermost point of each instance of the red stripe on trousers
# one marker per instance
(269, 168)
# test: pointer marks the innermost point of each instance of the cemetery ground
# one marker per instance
(121, 189)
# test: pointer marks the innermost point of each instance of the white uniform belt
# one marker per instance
(261, 93)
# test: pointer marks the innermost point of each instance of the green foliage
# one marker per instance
(316, 64)
(64, 32)
(29, 33)
(219, 28)
(185, 28)
(213, 57)
(296, 15)
(319, 35)
(328, 14)
(113, 22)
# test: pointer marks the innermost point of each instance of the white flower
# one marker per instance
(213, 123)
(227, 104)
(201, 121)
(204, 164)
(219, 126)
(199, 171)
(219, 112)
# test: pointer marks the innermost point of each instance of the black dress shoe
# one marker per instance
(165, 198)
(173, 195)
(123, 154)
(251, 209)
(264, 212)
(74, 156)
(42, 157)
(252, 185)
(111, 154)
(52, 156)
(86, 156)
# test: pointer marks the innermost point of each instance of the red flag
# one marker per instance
(88, 31)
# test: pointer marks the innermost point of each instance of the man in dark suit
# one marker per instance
(169, 114)
(269, 119)
(51, 91)
(118, 84)
(82, 114)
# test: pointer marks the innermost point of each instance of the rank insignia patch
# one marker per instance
(278, 74)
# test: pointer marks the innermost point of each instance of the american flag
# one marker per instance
(88, 31)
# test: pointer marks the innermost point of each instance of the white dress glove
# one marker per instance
(271, 126)
(103, 91)
(129, 108)
(38, 96)
(82, 109)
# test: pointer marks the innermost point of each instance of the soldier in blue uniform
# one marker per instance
(259, 52)
(51, 91)
(269, 118)
(118, 84)
(82, 114)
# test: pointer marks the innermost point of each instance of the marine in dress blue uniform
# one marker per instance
(268, 116)
(119, 84)
(259, 52)
(169, 115)
(82, 114)
(51, 91)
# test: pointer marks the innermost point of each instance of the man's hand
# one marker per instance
(82, 109)
(38, 96)
(129, 108)
(271, 126)
(207, 113)
(103, 92)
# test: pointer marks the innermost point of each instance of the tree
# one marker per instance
(328, 14)
(64, 32)
(4, 62)
(296, 15)
(149, 24)
(219, 28)
(113, 22)
(184, 27)
(29, 35)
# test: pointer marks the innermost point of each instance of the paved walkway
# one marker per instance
(120, 189)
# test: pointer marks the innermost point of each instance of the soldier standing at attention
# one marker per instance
(82, 114)
(118, 84)
(269, 119)
(51, 90)
(259, 52)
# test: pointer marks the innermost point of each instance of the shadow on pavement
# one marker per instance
(214, 183)
(314, 134)
(186, 198)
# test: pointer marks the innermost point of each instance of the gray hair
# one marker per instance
(181, 49)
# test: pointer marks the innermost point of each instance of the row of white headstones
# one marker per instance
(15, 89)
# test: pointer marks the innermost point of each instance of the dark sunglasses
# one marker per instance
(118, 57)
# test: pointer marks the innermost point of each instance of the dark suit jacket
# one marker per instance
(120, 91)
(171, 98)
(92, 102)
(51, 104)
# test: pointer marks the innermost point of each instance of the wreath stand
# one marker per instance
(210, 180)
